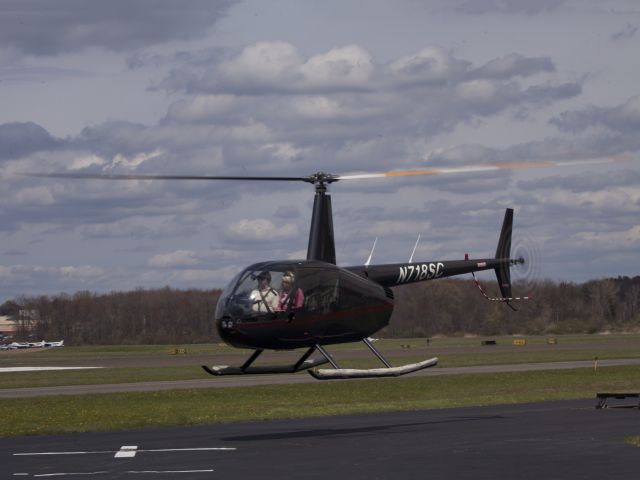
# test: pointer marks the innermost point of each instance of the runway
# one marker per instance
(558, 440)
(298, 378)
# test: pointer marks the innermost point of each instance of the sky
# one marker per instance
(292, 87)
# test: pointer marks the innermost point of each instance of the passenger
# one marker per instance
(264, 299)
(287, 301)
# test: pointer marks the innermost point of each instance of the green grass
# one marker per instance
(50, 415)
(101, 376)
(633, 441)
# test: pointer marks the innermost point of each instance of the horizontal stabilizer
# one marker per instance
(343, 373)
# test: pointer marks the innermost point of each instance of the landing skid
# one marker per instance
(322, 374)
(247, 369)
(388, 371)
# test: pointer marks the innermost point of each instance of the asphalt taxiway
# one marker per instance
(557, 440)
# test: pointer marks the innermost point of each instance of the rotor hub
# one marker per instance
(320, 178)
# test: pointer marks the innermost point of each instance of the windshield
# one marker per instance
(255, 293)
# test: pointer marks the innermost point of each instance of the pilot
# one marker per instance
(264, 299)
(286, 299)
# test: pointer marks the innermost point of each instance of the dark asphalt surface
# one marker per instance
(560, 440)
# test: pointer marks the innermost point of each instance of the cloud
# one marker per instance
(19, 139)
(629, 31)
(15, 253)
(40, 27)
(623, 118)
(626, 238)
(268, 108)
(431, 65)
(278, 67)
(20, 273)
(584, 182)
(179, 258)
(260, 230)
(527, 7)
(40, 195)
(515, 65)
(202, 108)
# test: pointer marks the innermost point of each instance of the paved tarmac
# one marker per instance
(302, 377)
(559, 440)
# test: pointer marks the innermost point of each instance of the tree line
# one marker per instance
(445, 307)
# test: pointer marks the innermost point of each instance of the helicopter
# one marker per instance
(320, 303)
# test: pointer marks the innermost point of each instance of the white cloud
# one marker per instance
(404, 228)
(132, 162)
(201, 108)
(83, 271)
(34, 196)
(618, 239)
(260, 230)
(267, 63)
(282, 151)
(84, 161)
(318, 106)
(179, 258)
(477, 91)
(431, 64)
(24, 273)
(349, 66)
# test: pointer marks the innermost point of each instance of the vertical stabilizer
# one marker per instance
(503, 252)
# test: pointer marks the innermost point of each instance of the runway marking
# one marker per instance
(103, 472)
(61, 453)
(126, 451)
(65, 474)
(41, 369)
(130, 450)
(189, 449)
(171, 471)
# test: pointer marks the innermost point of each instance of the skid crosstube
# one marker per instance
(246, 369)
(267, 369)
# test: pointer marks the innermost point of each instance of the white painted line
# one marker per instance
(67, 474)
(171, 471)
(64, 474)
(190, 449)
(60, 453)
(42, 369)
(126, 451)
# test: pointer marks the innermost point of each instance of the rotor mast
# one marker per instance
(321, 239)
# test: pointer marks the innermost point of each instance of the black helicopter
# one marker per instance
(320, 303)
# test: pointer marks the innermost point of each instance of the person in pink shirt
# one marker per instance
(286, 299)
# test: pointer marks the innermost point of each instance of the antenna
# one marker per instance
(366, 264)
(414, 249)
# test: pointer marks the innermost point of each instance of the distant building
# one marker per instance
(8, 326)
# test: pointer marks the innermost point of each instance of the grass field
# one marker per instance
(48, 415)
(452, 352)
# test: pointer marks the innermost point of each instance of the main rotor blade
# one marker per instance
(97, 176)
(483, 168)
